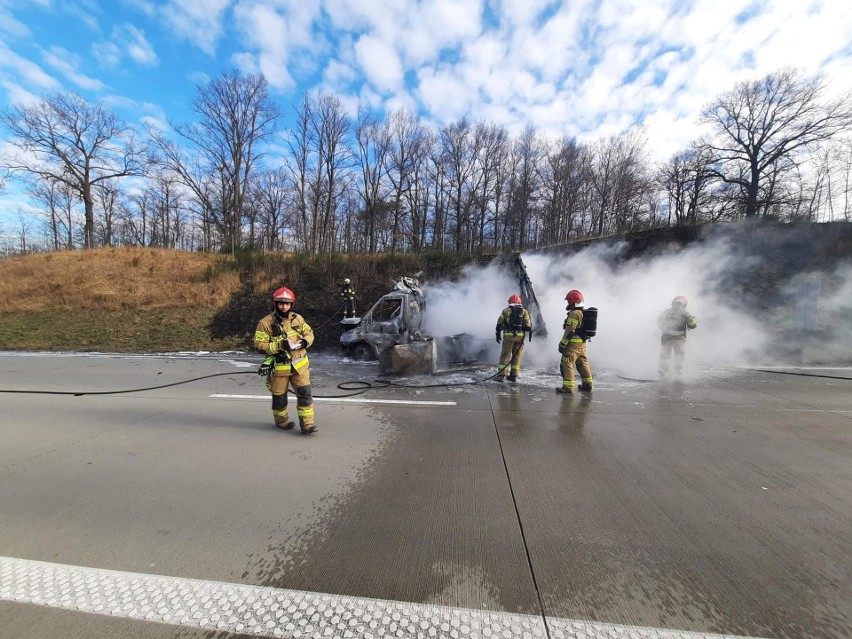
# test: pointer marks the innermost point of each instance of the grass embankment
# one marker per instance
(125, 300)
(153, 300)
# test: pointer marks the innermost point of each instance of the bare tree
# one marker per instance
(25, 223)
(66, 139)
(331, 127)
(492, 149)
(57, 205)
(299, 166)
(372, 144)
(563, 181)
(527, 157)
(687, 179)
(762, 124)
(409, 144)
(272, 196)
(318, 165)
(418, 189)
(236, 115)
(458, 156)
(107, 197)
(619, 181)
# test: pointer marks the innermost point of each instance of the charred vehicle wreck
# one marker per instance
(391, 331)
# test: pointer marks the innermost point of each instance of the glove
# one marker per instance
(304, 343)
(267, 367)
(529, 336)
(498, 338)
(560, 348)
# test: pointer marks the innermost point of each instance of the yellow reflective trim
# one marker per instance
(297, 364)
(305, 412)
(261, 336)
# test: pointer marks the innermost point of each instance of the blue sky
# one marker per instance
(589, 68)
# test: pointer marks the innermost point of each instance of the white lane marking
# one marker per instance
(276, 612)
(341, 399)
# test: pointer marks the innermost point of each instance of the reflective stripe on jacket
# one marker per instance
(573, 323)
(271, 331)
(674, 322)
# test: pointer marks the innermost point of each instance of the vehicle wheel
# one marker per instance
(362, 352)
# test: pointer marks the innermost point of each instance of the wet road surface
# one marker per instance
(720, 504)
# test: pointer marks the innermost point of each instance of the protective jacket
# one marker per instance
(674, 323)
(572, 347)
(273, 331)
(573, 329)
(347, 293)
(514, 320)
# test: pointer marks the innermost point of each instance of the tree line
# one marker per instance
(776, 147)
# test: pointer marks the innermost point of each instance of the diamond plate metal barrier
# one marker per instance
(274, 612)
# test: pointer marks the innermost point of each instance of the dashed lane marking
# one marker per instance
(276, 612)
(336, 400)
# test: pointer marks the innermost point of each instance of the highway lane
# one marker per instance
(721, 505)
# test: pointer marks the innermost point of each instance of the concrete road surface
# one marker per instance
(442, 507)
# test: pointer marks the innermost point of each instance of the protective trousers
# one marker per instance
(349, 308)
(510, 355)
(573, 356)
(672, 347)
(278, 382)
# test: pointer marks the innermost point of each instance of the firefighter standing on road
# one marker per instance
(347, 294)
(284, 336)
(572, 347)
(512, 326)
(674, 322)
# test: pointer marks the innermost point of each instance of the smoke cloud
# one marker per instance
(736, 325)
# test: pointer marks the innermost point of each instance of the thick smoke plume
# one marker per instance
(791, 323)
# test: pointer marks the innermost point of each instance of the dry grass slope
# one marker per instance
(114, 279)
(114, 300)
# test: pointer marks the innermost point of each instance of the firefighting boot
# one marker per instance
(564, 390)
(512, 378)
(586, 387)
(286, 425)
(307, 430)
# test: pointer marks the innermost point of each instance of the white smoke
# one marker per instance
(630, 295)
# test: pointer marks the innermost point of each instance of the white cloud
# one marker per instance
(107, 54)
(17, 95)
(133, 41)
(198, 21)
(380, 62)
(275, 30)
(126, 39)
(147, 7)
(26, 72)
(66, 63)
(11, 26)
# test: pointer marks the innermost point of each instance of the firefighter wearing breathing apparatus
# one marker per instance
(572, 347)
(674, 322)
(285, 336)
(347, 294)
(512, 326)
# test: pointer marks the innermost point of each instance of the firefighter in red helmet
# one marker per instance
(512, 326)
(673, 323)
(572, 347)
(284, 336)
